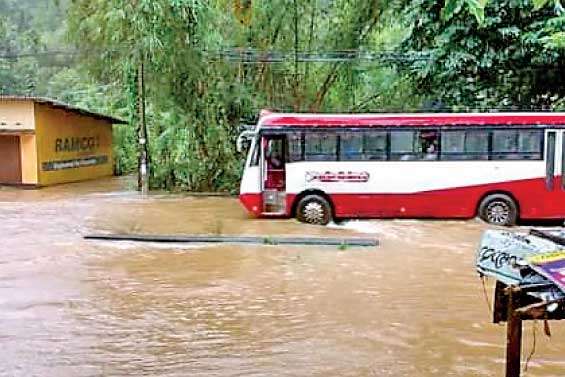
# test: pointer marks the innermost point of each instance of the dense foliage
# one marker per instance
(198, 99)
(199, 91)
(17, 35)
(506, 56)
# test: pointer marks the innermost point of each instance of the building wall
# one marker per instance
(18, 118)
(71, 147)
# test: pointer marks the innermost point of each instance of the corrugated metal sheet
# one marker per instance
(63, 106)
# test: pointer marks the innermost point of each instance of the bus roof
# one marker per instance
(282, 120)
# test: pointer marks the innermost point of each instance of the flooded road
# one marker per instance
(413, 306)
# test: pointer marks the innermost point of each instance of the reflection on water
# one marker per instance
(69, 307)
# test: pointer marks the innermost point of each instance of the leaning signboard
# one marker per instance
(532, 259)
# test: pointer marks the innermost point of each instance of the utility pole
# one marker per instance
(143, 178)
(295, 41)
(295, 83)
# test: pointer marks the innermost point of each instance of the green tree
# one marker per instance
(500, 58)
(197, 99)
(29, 28)
(16, 77)
(553, 28)
(190, 143)
(311, 26)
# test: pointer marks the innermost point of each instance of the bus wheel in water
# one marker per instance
(499, 209)
(314, 209)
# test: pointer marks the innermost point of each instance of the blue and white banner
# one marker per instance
(74, 163)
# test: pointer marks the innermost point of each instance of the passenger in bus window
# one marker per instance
(431, 152)
(274, 157)
(429, 145)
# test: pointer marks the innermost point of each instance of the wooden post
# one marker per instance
(513, 335)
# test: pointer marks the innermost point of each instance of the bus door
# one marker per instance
(551, 160)
(558, 197)
(273, 177)
(562, 171)
(554, 181)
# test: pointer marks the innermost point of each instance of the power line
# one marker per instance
(254, 56)
(36, 54)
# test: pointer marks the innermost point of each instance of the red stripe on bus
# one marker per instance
(532, 195)
(289, 120)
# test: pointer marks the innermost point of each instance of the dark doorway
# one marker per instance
(10, 160)
(274, 174)
(275, 162)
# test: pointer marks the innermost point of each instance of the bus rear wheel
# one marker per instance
(314, 209)
(499, 209)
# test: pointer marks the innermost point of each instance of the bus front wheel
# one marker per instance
(314, 209)
(499, 209)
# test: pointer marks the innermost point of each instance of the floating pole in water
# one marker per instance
(266, 240)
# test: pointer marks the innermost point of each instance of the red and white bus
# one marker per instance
(499, 166)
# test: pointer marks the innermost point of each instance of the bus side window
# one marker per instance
(414, 145)
(402, 145)
(517, 144)
(530, 144)
(504, 144)
(464, 145)
(295, 147)
(452, 145)
(320, 146)
(375, 145)
(476, 144)
(351, 146)
(363, 146)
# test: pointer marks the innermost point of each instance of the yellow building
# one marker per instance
(44, 142)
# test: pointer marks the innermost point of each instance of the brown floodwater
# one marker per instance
(413, 306)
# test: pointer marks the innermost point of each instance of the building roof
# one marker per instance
(63, 106)
(411, 119)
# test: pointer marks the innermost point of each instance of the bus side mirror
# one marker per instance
(244, 141)
(243, 144)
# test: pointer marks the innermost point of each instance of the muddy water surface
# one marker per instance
(68, 307)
